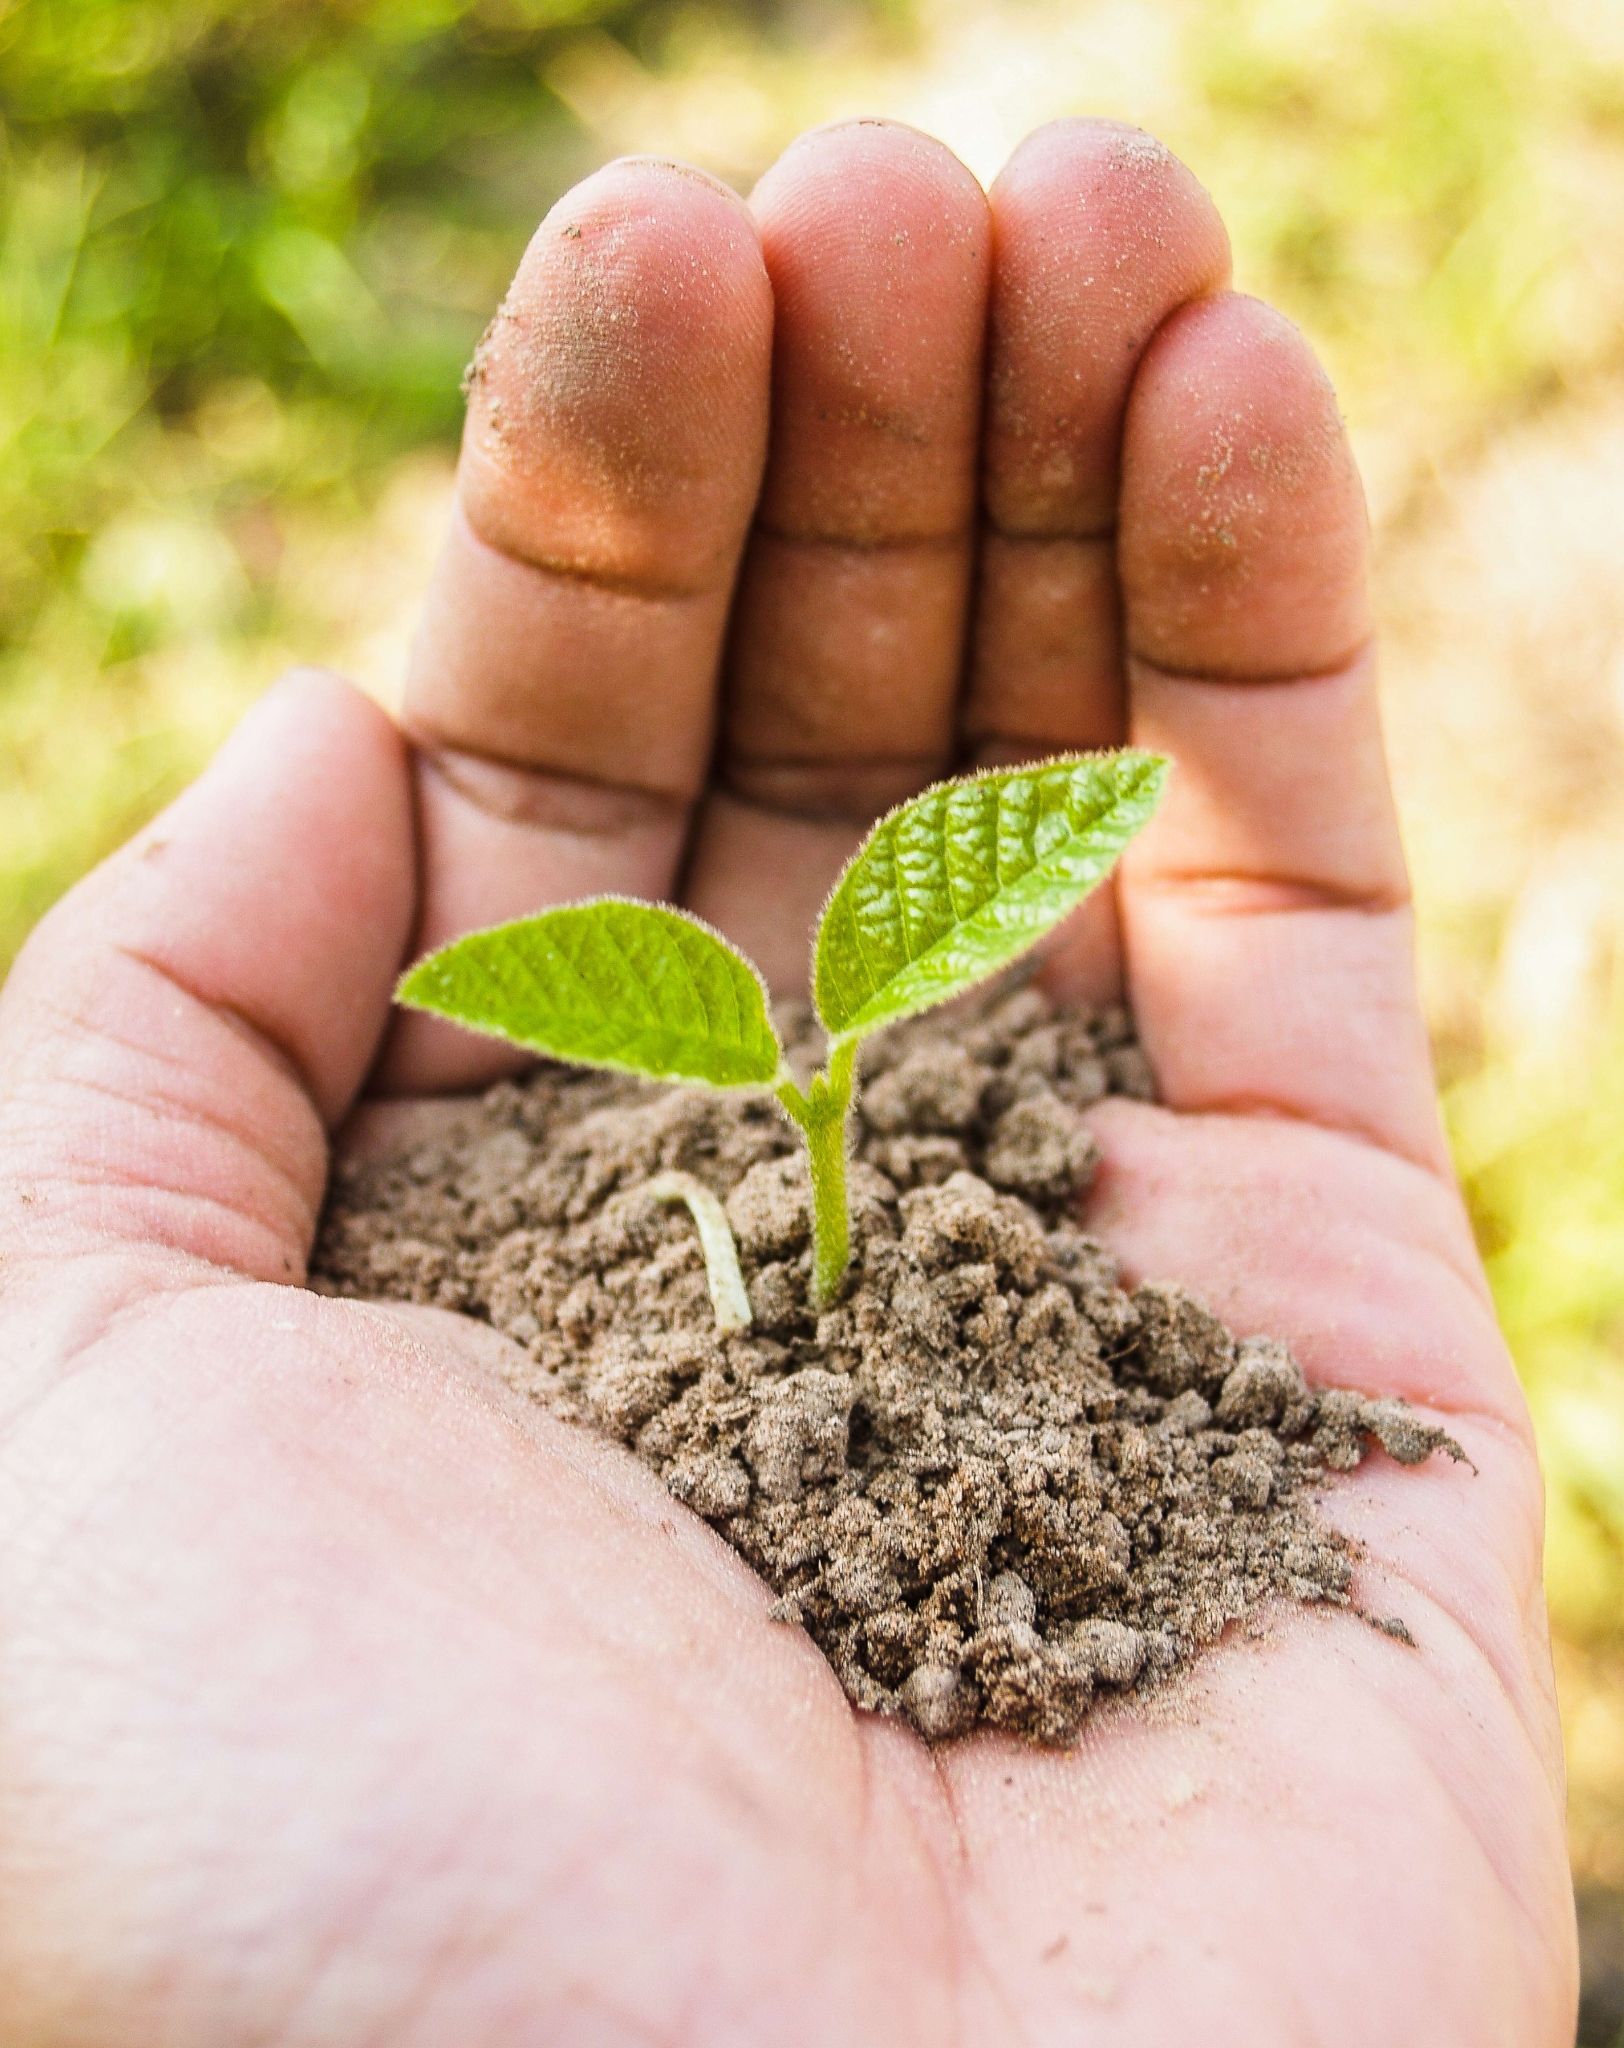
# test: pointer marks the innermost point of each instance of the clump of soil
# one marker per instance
(991, 1484)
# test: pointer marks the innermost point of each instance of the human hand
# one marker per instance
(345, 1698)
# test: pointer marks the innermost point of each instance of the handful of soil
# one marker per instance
(990, 1483)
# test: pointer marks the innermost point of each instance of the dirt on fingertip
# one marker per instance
(993, 1485)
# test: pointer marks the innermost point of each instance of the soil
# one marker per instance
(991, 1484)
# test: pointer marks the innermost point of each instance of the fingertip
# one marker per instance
(681, 252)
(1101, 232)
(639, 211)
(638, 163)
(1243, 537)
(869, 144)
(1120, 178)
(879, 246)
(617, 405)
(330, 709)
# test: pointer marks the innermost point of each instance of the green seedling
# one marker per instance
(943, 893)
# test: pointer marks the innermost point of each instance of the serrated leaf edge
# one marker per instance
(1159, 766)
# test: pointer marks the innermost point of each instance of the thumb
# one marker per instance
(181, 1031)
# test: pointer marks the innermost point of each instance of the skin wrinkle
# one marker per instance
(640, 807)
(950, 1880)
(867, 544)
(1553, 1760)
(162, 1203)
(1234, 893)
(1542, 1754)
(167, 1112)
(562, 1876)
(1468, 1272)
(436, 726)
(264, 1042)
(1249, 1108)
(845, 494)
(74, 1359)
(1045, 536)
(971, 1950)
(1342, 664)
(329, 1951)
(948, 1876)
(584, 1460)
(918, 770)
(705, 1748)
(615, 1481)
(288, 1249)
(166, 1108)
(1453, 1611)
(666, 485)
(847, 764)
(81, 1359)
(1472, 1822)
(1469, 1828)
(955, 1817)
(651, 590)
(592, 1852)
(862, 1826)
(1404, 1725)
(71, 1016)
(170, 1112)
(266, 1048)
(156, 1053)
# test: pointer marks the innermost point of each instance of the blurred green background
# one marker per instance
(245, 250)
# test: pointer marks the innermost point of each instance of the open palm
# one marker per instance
(346, 1699)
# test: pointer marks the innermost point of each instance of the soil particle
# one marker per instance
(993, 1485)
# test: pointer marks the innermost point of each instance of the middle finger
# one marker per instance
(843, 670)
(1099, 235)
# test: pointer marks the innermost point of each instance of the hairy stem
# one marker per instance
(728, 1298)
(822, 1114)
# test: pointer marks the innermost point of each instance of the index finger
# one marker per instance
(562, 689)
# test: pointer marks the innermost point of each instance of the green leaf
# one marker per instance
(951, 887)
(608, 983)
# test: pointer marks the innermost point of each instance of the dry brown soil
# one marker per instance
(990, 1483)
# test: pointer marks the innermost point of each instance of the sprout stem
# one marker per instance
(822, 1115)
(728, 1298)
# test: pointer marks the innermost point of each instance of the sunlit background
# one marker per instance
(247, 245)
